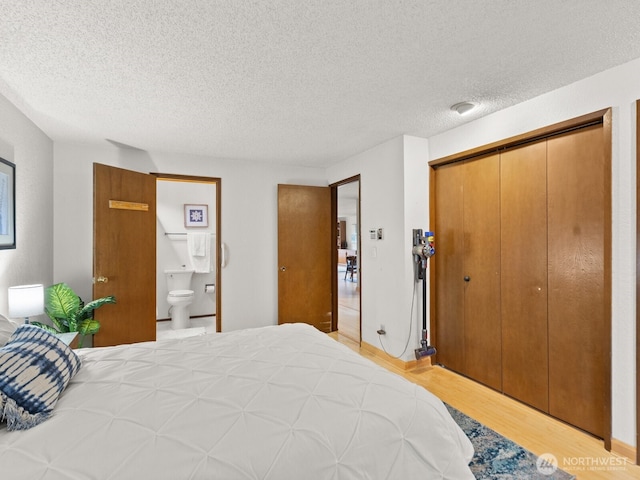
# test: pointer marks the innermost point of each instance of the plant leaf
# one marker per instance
(89, 327)
(60, 324)
(61, 302)
(46, 327)
(69, 313)
(92, 305)
(72, 323)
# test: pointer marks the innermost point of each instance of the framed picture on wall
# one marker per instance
(196, 215)
(7, 204)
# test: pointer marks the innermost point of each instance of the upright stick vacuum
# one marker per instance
(423, 249)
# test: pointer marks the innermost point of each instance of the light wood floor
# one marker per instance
(348, 305)
(576, 452)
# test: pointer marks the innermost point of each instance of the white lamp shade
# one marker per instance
(26, 301)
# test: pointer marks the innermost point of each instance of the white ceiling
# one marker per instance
(309, 82)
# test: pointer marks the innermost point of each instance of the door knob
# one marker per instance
(467, 279)
(283, 268)
(101, 279)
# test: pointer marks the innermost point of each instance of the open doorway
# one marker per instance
(348, 258)
(179, 233)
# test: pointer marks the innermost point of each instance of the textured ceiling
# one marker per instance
(309, 82)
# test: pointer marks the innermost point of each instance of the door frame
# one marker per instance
(334, 256)
(637, 282)
(602, 117)
(218, 183)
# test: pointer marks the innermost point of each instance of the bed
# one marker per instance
(281, 402)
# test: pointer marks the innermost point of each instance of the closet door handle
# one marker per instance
(467, 279)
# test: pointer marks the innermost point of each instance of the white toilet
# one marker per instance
(180, 297)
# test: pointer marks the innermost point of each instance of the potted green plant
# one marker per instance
(69, 313)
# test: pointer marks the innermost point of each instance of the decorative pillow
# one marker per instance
(7, 327)
(35, 368)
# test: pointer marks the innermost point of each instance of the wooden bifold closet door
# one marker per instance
(481, 279)
(450, 271)
(522, 274)
(523, 215)
(578, 202)
(468, 226)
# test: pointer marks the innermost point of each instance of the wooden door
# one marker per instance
(523, 208)
(305, 248)
(448, 266)
(124, 254)
(579, 312)
(481, 278)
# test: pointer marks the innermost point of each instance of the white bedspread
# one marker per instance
(279, 403)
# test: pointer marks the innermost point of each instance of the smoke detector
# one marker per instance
(463, 107)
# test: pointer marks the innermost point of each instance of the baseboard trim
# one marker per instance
(191, 316)
(623, 449)
(396, 362)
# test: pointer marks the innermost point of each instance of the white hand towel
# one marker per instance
(199, 249)
(197, 244)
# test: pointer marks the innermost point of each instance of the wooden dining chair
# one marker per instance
(352, 265)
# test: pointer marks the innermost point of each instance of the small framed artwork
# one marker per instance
(7, 204)
(196, 215)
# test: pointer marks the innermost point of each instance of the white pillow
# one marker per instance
(7, 327)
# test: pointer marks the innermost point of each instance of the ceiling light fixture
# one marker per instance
(463, 107)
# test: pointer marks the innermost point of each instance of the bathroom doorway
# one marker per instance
(188, 208)
(348, 259)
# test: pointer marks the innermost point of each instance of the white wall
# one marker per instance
(351, 223)
(618, 88)
(25, 145)
(391, 174)
(249, 221)
(416, 211)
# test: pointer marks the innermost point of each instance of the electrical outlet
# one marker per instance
(382, 331)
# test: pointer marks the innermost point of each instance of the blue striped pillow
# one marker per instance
(35, 368)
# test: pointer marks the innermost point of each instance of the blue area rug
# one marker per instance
(497, 457)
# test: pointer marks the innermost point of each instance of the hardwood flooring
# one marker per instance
(348, 305)
(577, 453)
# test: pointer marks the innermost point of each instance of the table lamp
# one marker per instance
(26, 301)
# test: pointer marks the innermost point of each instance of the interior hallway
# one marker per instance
(348, 304)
